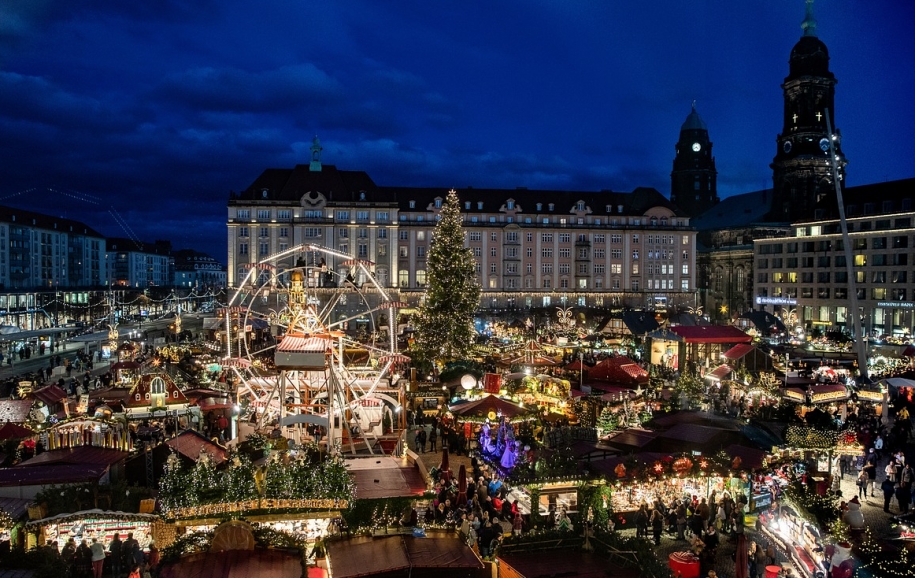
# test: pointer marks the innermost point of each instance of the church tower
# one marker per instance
(801, 174)
(693, 182)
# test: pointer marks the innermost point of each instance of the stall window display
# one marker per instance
(799, 540)
(99, 527)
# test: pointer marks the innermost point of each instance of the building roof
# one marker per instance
(30, 218)
(711, 334)
(632, 438)
(692, 433)
(636, 202)
(293, 184)
(736, 211)
(375, 556)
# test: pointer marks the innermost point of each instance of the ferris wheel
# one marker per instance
(311, 345)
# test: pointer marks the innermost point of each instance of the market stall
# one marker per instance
(99, 524)
(797, 539)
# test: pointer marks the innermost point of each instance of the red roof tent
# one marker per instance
(190, 443)
(577, 365)
(711, 334)
(737, 351)
(49, 395)
(619, 369)
(12, 431)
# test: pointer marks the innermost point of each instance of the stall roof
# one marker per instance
(257, 563)
(190, 443)
(375, 556)
(15, 410)
(49, 475)
(632, 438)
(738, 351)
(15, 507)
(93, 514)
(720, 372)
(749, 457)
(619, 369)
(692, 433)
(711, 334)
(385, 477)
(577, 564)
(50, 394)
(482, 407)
(81, 455)
(13, 431)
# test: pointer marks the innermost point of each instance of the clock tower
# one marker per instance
(801, 174)
(693, 182)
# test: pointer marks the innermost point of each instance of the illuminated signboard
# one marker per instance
(776, 301)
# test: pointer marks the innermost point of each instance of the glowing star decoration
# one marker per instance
(723, 309)
(703, 464)
(658, 468)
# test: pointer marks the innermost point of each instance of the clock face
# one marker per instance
(697, 147)
(824, 144)
(786, 146)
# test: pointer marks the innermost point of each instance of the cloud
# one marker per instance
(233, 89)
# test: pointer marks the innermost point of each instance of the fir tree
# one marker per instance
(172, 493)
(444, 325)
(608, 421)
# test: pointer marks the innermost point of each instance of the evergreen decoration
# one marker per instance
(609, 420)
(444, 324)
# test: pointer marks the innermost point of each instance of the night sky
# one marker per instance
(138, 118)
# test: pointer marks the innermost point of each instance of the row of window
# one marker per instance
(286, 215)
(858, 244)
(876, 293)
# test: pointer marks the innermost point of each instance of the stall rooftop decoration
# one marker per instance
(155, 394)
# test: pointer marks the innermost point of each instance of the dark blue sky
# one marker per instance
(144, 115)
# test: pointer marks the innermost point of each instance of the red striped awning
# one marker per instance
(397, 358)
(303, 344)
(395, 304)
(236, 362)
(262, 266)
(350, 262)
(634, 370)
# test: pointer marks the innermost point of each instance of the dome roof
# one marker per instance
(693, 121)
(809, 57)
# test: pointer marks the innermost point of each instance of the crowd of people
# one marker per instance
(89, 558)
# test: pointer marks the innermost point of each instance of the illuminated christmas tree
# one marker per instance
(444, 325)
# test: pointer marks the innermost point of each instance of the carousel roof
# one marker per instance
(236, 563)
(489, 404)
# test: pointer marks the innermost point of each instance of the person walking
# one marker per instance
(908, 476)
(433, 438)
(421, 440)
(870, 466)
(862, 482)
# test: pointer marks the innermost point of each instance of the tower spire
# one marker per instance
(316, 149)
(809, 25)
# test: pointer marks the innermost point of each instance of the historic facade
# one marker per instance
(694, 179)
(534, 248)
(803, 180)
